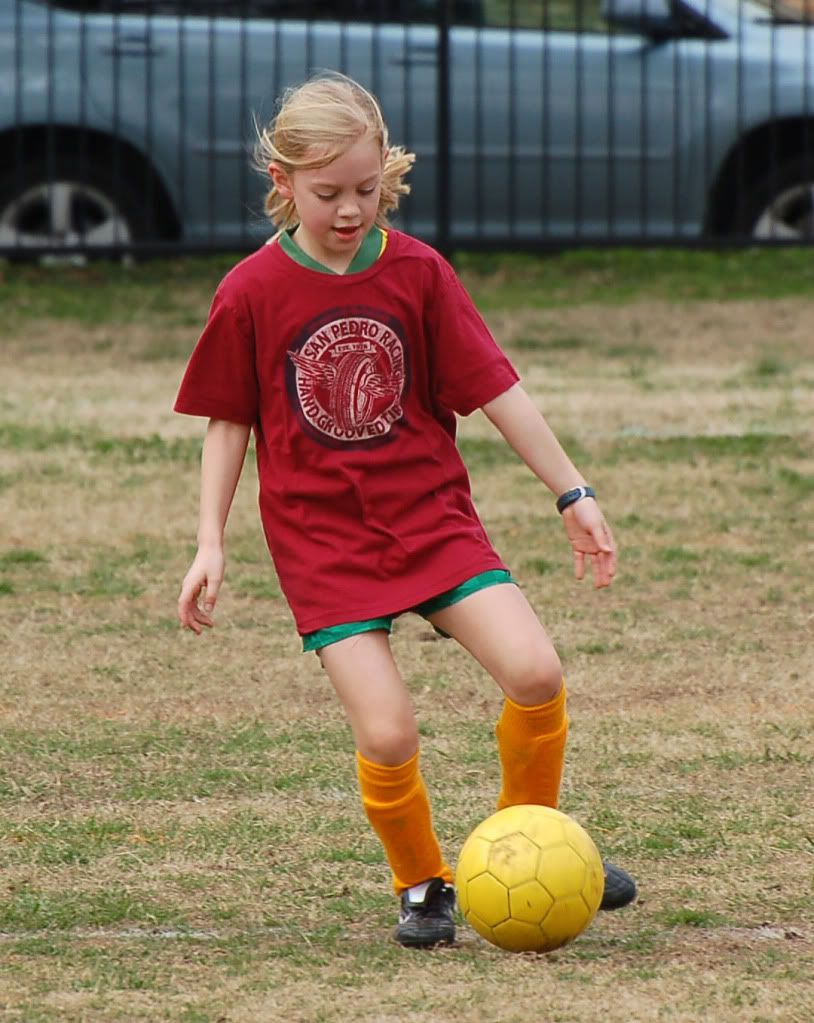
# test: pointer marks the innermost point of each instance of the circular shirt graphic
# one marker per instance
(349, 377)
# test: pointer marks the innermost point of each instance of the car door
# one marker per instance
(394, 54)
(188, 82)
(563, 132)
(173, 81)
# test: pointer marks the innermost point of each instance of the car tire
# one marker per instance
(781, 204)
(68, 205)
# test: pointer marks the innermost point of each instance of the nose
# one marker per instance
(348, 208)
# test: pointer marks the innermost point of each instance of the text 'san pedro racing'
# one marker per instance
(350, 378)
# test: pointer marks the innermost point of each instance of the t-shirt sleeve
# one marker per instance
(220, 380)
(470, 368)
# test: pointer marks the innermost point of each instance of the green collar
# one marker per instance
(372, 247)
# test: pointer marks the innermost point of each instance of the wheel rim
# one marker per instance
(790, 215)
(63, 214)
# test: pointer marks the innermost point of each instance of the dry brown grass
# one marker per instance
(179, 830)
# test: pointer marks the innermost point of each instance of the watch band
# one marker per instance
(572, 496)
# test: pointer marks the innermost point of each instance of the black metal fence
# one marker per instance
(126, 125)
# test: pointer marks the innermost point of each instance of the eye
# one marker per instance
(326, 196)
(367, 191)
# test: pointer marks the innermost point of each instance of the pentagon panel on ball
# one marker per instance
(529, 879)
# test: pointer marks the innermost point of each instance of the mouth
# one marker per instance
(348, 232)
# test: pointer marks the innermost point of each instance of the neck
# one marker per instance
(338, 263)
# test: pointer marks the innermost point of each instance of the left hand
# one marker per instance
(588, 533)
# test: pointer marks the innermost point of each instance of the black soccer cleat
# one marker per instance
(620, 888)
(429, 921)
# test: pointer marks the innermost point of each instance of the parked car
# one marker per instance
(128, 122)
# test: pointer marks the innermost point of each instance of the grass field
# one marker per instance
(180, 834)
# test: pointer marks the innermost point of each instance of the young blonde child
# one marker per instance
(349, 348)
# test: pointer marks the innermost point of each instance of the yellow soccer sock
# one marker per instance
(396, 803)
(531, 742)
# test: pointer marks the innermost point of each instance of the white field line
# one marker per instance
(764, 932)
(131, 934)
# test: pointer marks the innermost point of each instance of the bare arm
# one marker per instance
(529, 435)
(224, 451)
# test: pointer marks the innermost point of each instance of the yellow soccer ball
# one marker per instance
(529, 879)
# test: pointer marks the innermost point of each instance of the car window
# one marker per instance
(555, 15)
(794, 11)
(560, 15)
(468, 12)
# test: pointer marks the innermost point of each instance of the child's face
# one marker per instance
(337, 204)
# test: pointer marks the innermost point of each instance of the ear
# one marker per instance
(281, 180)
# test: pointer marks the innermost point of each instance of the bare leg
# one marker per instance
(369, 684)
(367, 680)
(502, 632)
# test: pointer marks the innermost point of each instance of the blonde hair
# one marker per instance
(318, 121)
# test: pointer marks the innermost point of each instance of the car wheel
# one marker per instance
(781, 205)
(69, 206)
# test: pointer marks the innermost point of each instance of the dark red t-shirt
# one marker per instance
(351, 383)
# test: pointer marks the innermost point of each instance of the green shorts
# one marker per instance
(333, 634)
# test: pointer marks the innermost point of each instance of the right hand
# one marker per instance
(588, 533)
(204, 576)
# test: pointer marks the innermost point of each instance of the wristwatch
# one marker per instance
(572, 496)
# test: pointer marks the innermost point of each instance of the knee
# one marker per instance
(534, 678)
(390, 742)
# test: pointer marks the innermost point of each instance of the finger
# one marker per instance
(604, 566)
(612, 563)
(600, 575)
(603, 538)
(604, 561)
(189, 622)
(188, 606)
(211, 595)
(579, 564)
(193, 618)
(202, 618)
(190, 588)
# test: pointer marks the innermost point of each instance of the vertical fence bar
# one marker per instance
(149, 133)
(309, 41)
(442, 161)
(19, 151)
(578, 139)
(243, 118)
(343, 56)
(83, 172)
(775, 143)
(740, 168)
(276, 85)
(375, 52)
(406, 106)
(511, 177)
(477, 141)
(545, 132)
(50, 145)
(115, 58)
(644, 147)
(678, 111)
(610, 128)
(180, 147)
(807, 77)
(212, 115)
(708, 92)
